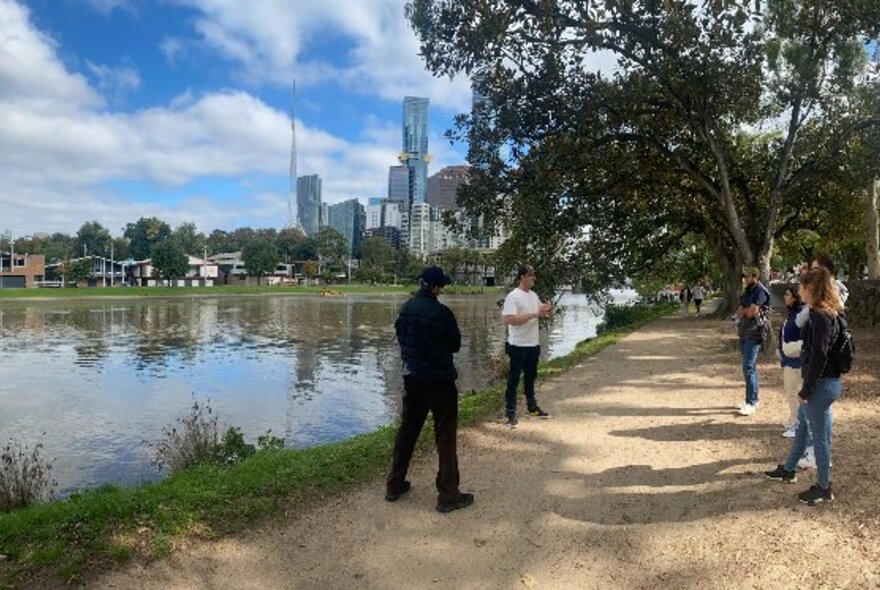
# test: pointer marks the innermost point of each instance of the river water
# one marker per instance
(94, 380)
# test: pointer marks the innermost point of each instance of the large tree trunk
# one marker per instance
(873, 243)
(731, 263)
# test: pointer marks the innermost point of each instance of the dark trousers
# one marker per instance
(523, 359)
(441, 398)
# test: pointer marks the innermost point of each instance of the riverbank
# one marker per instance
(91, 531)
(644, 477)
(98, 293)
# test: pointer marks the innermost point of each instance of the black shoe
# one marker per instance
(538, 412)
(512, 421)
(395, 496)
(816, 495)
(463, 501)
(781, 474)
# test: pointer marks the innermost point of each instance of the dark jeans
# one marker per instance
(523, 359)
(441, 398)
(749, 350)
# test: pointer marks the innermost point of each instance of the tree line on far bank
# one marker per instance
(324, 255)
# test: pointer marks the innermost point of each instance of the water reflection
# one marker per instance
(101, 377)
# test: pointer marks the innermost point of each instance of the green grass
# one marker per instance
(225, 290)
(96, 529)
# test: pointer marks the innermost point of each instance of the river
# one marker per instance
(96, 380)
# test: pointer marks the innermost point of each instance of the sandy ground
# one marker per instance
(644, 477)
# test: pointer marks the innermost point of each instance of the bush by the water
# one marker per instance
(24, 476)
(195, 439)
(617, 316)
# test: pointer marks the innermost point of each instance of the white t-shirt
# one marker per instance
(698, 292)
(519, 302)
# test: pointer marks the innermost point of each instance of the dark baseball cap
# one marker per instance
(435, 277)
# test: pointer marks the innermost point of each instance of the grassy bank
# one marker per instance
(95, 529)
(224, 290)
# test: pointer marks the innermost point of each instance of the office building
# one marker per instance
(414, 154)
(443, 187)
(308, 203)
(348, 218)
(398, 184)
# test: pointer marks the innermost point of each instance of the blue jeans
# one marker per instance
(749, 350)
(814, 419)
(523, 359)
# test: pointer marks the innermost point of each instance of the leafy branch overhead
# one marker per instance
(634, 124)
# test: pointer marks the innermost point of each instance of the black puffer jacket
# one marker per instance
(819, 335)
(428, 336)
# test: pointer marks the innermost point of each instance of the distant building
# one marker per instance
(414, 154)
(348, 218)
(308, 203)
(425, 229)
(398, 184)
(391, 235)
(443, 187)
(21, 270)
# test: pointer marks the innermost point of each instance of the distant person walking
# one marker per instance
(821, 386)
(522, 308)
(752, 312)
(684, 297)
(428, 334)
(698, 293)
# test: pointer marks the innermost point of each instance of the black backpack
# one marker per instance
(843, 352)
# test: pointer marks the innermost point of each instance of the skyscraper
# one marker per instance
(443, 186)
(398, 184)
(415, 146)
(348, 219)
(308, 203)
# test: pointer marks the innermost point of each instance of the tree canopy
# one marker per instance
(731, 121)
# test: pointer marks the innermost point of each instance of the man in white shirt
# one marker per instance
(522, 308)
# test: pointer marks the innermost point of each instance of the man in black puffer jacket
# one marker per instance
(428, 336)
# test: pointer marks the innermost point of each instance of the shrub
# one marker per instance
(192, 441)
(195, 440)
(617, 316)
(24, 476)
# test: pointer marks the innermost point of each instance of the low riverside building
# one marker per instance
(21, 270)
(201, 273)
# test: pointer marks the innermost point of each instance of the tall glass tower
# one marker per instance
(308, 203)
(415, 146)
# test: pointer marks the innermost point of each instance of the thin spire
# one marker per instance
(292, 217)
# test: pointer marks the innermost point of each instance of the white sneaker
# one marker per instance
(747, 409)
(790, 432)
(808, 461)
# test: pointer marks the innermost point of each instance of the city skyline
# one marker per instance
(113, 110)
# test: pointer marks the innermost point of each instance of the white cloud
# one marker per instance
(269, 38)
(64, 154)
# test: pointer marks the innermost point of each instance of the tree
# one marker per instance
(873, 231)
(190, 240)
(727, 120)
(76, 270)
(331, 245)
(289, 241)
(144, 234)
(93, 239)
(260, 257)
(169, 260)
(377, 261)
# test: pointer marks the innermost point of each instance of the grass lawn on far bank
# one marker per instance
(227, 290)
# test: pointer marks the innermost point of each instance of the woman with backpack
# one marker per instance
(820, 388)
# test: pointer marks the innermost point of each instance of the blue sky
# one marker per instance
(115, 109)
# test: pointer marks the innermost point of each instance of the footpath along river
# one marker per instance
(94, 380)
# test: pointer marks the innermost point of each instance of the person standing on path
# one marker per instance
(521, 310)
(428, 334)
(754, 305)
(821, 386)
(789, 351)
(698, 297)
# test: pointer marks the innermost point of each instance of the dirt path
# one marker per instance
(643, 478)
